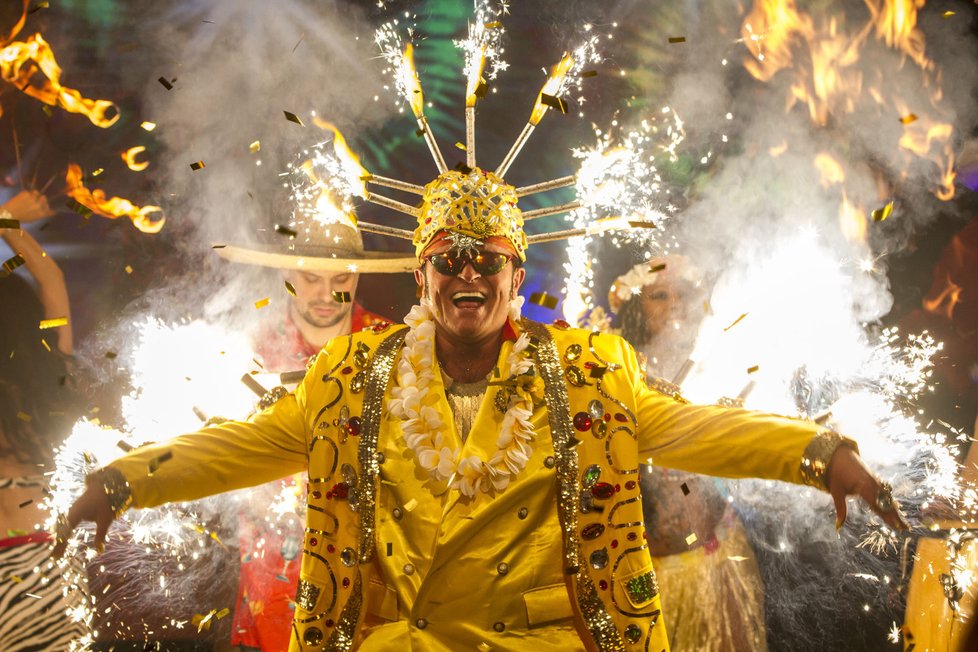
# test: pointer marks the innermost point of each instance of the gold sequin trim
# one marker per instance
(596, 617)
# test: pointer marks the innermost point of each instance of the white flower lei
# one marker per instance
(413, 403)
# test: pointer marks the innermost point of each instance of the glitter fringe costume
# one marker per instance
(32, 603)
(392, 558)
(712, 596)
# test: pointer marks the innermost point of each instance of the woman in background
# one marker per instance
(35, 415)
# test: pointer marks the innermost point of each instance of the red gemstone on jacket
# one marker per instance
(602, 490)
(630, 484)
(582, 421)
(353, 426)
(340, 490)
(561, 324)
(620, 417)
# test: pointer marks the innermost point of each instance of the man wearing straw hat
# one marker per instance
(320, 267)
(472, 474)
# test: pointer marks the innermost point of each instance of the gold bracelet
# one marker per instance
(116, 488)
(815, 460)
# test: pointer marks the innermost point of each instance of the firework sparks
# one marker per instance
(619, 176)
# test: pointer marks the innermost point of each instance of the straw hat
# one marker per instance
(317, 247)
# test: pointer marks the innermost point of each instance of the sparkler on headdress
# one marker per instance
(481, 46)
(551, 88)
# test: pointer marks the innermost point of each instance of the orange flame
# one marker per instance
(829, 169)
(95, 201)
(852, 220)
(896, 24)
(821, 59)
(31, 67)
(351, 162)
(129, 156)
(943, 304)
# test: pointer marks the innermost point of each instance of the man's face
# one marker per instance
(313, 301)
(470, 307)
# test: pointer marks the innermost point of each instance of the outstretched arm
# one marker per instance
(29, 206)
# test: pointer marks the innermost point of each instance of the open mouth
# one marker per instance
(468, 299)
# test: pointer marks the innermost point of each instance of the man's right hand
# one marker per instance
(93, 505)
(28, 206)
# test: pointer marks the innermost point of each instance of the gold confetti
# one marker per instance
(881, 214)
(23, 416)
(677, 39)
(223, 612)
(291, 117)
(290, 288)
(342, 297)
(43, 4)
(255, 147)
(154, 464)
(16, 579)
(147, 125)
(553, 102)
(907, 119)
(736, 321)
(96, 172)
(7, 223)
(166, 84)
(589, 73)
(197, 165)
(203, 622)
(25, 503)
(460, 146)
(543, 299)
(737, 558)
(948, 14)
(281, 229)
(642, 225)
(751, 370)
(657, 268)
(390, 548)
(410, 505)
(691, 539)
(128, 269)
(53, 323)
(13, 263)
(79, 208)
(111, 355)
(261, 303)
(685, 488)
(494, 25)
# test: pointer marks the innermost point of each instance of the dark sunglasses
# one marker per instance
(486, 263)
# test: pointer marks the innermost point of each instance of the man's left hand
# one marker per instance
(848, 475)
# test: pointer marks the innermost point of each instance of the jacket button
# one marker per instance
(549, 462)
(408, 569)
(502, 568)
(523, 512)
(421, 623)
(397, 513)
(499, 627)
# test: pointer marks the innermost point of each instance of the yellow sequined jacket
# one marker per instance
(555, 561)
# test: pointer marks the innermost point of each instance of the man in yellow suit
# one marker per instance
(473, 476)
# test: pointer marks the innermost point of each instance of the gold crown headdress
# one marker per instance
(477, 202)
